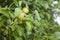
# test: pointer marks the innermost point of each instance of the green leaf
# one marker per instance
(1, 23)
(12, 15)
(20, 30)
(18, 38)
(5, 12)
(29, 17)
(16, 2)
(17, 11)
(46, 6)
(28, 26)
(20, 2)
(48, 15)
(37, 15)
(13, 27)
(41, 15)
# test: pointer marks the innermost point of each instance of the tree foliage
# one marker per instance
(39, 23)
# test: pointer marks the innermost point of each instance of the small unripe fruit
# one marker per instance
(25, 10)
(22, 16)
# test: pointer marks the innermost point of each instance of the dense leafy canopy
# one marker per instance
(39, 22)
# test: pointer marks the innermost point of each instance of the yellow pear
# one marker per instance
(25, 10)
(22, 16)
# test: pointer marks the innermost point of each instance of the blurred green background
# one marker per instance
(39, 23)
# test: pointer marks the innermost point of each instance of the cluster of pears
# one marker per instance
(22, 16)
